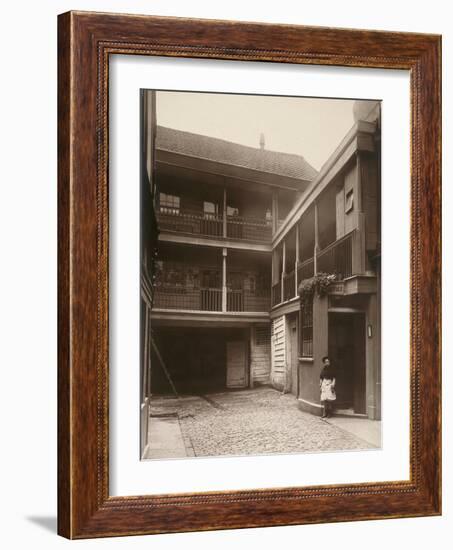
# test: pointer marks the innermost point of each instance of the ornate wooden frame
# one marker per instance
(85, 41)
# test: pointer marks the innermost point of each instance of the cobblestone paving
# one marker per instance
(256, 421)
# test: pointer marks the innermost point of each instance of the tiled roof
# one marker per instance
(227, 152)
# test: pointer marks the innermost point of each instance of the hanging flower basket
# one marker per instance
(318, 284)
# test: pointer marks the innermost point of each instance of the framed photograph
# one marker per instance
(249, 275)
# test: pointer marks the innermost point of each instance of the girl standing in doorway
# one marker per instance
(327, 387)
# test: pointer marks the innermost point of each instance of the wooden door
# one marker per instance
(347, 354)
(236, 364)
(341, 353)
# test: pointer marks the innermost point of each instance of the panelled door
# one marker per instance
(236, 364)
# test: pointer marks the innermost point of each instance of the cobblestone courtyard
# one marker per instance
(258, 421)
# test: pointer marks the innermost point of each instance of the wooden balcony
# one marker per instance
(235, 300)
(192, 222)
(289, 286)
(305, 270)
(212, 225)
(249, 229)
(276, 294)
(337, 258)
(208, 299)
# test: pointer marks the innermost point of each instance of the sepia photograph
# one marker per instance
(260, 250)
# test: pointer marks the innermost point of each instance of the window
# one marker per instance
(306, 330)
(169, 204)
(349, 202)
(232, 211)
(211, 210)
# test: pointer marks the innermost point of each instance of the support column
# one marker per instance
(275, 262)
(274, 212)
(224, 287)
(316, 249)
(296, 265)
(224, 212)
(283, 269)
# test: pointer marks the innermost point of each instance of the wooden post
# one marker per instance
(224, 287)
(283, 270)
(224, 212)
(274, 212)
(316, 250)
(273, 266)
(296, 265)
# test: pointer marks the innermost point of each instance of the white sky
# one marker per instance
(305, 126)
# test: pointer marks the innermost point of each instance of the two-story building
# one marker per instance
(240, 229)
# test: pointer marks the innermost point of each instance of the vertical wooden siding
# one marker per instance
(278, 372)
(260, 354)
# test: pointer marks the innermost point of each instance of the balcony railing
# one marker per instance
(305, 270)
(235, 300)
(177, 297)
(211, 299)
(193, 222)
(211, 225)
(337, 258)
(208, 299)
(276, 293)
(250, 229)
(289, 286)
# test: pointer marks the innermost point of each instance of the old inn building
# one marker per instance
(240, 231)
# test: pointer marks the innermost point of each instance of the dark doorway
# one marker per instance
(347, 353)
(195, 358)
